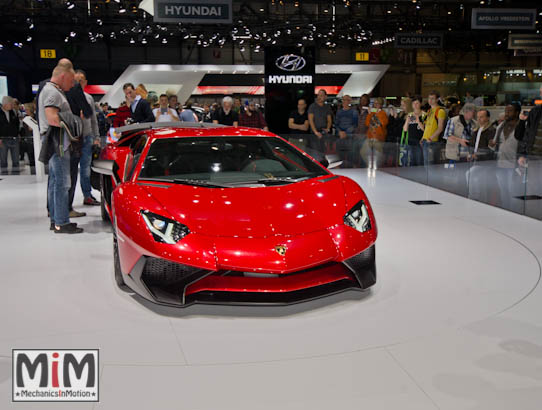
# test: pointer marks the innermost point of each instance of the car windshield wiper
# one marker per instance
(282, 180)
(186, 181)
(199, 182)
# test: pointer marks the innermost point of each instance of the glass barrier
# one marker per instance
(485, 177)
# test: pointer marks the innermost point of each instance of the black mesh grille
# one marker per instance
(363, 267)
(161, 271)
(362, 260)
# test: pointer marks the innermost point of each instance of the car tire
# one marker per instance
(105, 216)
(119, 280)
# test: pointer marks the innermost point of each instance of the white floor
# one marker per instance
(455, 321)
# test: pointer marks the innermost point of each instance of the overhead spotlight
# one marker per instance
(132, 41)
(1, 47)
(122, 10)
(99, 22)
(144, 41)
(242, 49)
(29, 39)
(113, 35)
(66, 39)
(70, 5)
(19, 45)
(164, 40)
(73, 34)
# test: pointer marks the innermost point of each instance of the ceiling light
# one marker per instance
(144, 41)
(164, 41)
(29, 39)
(122, 10)
(73, 34)
(132, 41)
(70, 5)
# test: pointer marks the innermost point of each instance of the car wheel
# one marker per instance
(105, 216)
(118, 273)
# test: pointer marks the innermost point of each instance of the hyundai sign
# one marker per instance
(289, 75)
(509, 19)
(290, 62)
(191, 11)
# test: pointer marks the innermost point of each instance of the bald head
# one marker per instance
(63, 75)
(64, 62)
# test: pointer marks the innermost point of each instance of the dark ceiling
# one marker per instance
(325, 24)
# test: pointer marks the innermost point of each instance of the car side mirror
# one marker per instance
(106, 167)
(333, 161)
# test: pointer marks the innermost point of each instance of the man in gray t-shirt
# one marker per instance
(320, 121)
(52, 96)
(51, 102)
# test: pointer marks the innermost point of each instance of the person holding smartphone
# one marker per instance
(165, 113)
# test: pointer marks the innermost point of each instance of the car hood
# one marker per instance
(255, 212)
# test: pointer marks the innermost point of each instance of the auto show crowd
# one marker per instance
(411, 131)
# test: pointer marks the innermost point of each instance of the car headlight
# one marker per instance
(164, 229)
(358, 217)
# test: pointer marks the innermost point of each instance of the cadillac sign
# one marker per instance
(419, 40)
(191, 11)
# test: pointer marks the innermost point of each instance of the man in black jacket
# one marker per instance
(529, 134)
(9, 132)
(140, 108)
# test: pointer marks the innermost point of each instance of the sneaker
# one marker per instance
(68, 228)
(52, 227)
(90, 201)
(75, 214)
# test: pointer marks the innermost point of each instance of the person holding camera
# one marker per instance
(165, 113)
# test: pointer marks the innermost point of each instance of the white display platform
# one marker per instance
(454, 321)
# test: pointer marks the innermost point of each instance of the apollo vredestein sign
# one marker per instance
(419, 40)
(193, 11)
(498, 19)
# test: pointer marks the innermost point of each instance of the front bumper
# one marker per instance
(168, 283)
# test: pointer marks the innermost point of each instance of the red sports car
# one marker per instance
(214, 214)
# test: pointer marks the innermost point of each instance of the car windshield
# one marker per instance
(227, 161)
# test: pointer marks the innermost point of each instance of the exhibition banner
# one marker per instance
(524, 41)
(419, 40)
(192, 11)
(497, 19)
(289, 75)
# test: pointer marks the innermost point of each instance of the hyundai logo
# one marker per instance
(290, 62)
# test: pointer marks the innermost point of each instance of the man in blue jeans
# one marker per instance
(91, 133)
(52, 100)
(9, 135)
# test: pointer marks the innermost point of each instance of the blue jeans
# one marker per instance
(12, 145)
(84, 166)
(428, 154)
(58, 187)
